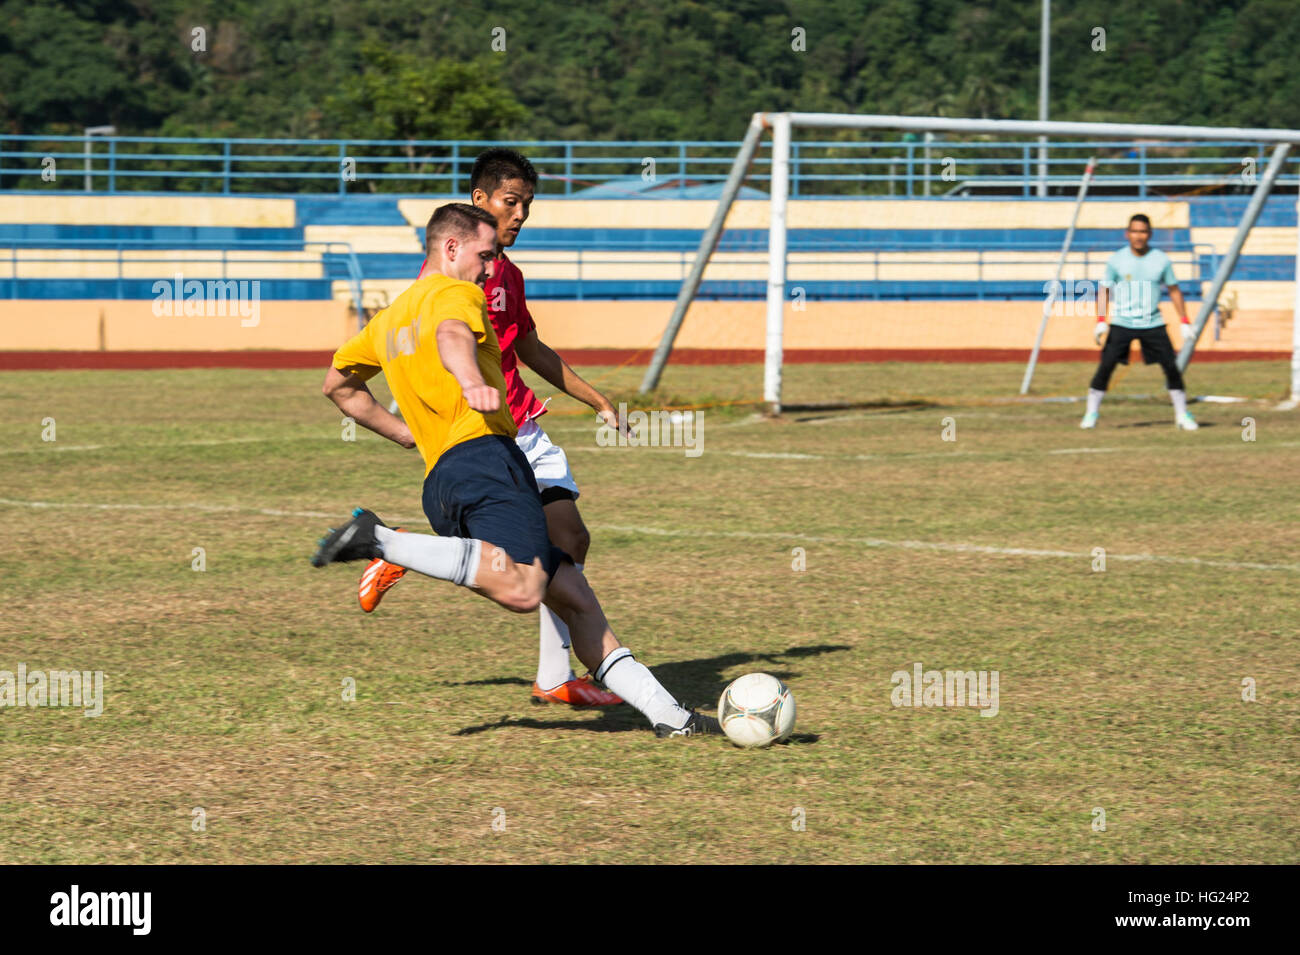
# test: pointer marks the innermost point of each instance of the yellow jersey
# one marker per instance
(402, 341)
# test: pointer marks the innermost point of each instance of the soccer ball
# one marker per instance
(756, 710)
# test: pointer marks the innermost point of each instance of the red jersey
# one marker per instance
(508, 311)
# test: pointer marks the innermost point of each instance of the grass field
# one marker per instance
(1120, 689)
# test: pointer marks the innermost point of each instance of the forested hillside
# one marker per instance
(626, 69)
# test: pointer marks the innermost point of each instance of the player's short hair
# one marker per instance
(1140, 218)
(496, 165)
(455, 218)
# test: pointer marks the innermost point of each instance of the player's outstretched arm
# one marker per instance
(458, 352)
(353, 398)
(543, 359)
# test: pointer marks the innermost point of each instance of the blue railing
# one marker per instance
(902, 167)
(873, 274)
(1194, 265)
(337, 260)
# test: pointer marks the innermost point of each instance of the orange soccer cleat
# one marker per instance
(378, 576)
(580, 692)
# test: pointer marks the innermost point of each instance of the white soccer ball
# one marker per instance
(756, 710)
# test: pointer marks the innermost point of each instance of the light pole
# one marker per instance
(1044, 69)
(95, 131)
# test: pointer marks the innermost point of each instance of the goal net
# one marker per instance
(974, 265)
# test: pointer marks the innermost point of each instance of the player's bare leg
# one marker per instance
(567, 531)
(556, 682)
(571, 597)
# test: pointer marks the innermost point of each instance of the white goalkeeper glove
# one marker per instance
(1099, 331)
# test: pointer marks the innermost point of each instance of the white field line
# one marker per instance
(1087, 450)
(954, 453)
(205, 508)
(816, 419)
(910, 455)
(875, 542)
(947, 547)
(53, 446)
(583, 449)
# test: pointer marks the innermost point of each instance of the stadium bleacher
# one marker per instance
(854, 259)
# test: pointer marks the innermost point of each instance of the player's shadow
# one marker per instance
(696, 683)
(830, 409)
(494, 681)
(1162, 423)
(616, 719)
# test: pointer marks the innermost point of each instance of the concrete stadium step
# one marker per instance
(348, 210)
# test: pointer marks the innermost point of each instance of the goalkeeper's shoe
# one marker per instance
(1185, 422)
(697, 725)
(355, 540)
(582, 691)
(1089, 420)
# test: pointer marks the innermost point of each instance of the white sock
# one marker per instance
(553, 655)
(1179, 398)
(1094, 400)
(447, 558)
(636, 685)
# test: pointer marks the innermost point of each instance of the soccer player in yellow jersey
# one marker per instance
(503, 182)
(436, 347)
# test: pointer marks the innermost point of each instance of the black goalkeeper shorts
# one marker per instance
(1157, 349)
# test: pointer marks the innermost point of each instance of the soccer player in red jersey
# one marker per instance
(503, 182)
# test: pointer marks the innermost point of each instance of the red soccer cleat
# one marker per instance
(378, 576)
(580, 692)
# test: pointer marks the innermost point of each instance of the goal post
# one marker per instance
(782, 126)
(1056, 279)
(708, 242)
(1221, 274)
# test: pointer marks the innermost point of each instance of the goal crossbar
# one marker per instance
(781, 125)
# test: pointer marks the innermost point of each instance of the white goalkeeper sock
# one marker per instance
(1094, 400)
(636, 685)
(1179, 398)
(553, 655)
(447, 558)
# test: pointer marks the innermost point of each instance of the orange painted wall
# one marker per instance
(113, 325)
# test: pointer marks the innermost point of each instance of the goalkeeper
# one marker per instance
(1134, 275)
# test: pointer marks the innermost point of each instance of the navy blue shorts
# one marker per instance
(484, 489)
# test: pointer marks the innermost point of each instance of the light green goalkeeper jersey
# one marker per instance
(1134, 284)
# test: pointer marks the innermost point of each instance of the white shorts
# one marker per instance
(549, 463)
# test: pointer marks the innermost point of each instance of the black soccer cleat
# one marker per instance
(697, 725)
(355, 540)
